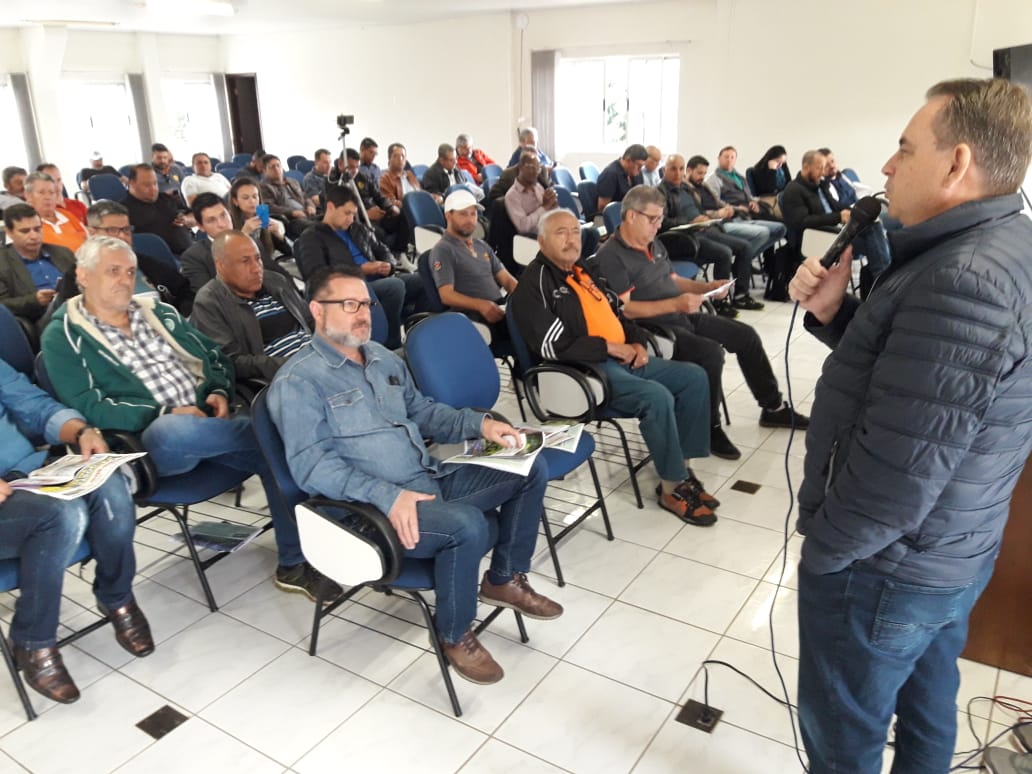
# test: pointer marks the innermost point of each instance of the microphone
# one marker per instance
(865, 213)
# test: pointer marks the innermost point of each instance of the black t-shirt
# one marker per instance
(156, 218)
(613, 183)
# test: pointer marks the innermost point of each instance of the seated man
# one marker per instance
(314, 184)
(528, 140)
(636, 266)
(651, 173)
(341, 240)
(73, 206)
(14, 186)
(43, 533)
(136, 365)
(170, 175)
(60, 227)
(285, 198)
(621, 175)
(398, 179)
(565, 311)
(472, 160)
(203, 180)
(442, 174)
(213, 218)
(468, 275)
(152, 213)
(258, 318)
(384, 215)
(30, 270)
(367, 151)
(839, 188)
(714, 246)
(370, 448)
(730, 185)
(256, 169)
(96, 167)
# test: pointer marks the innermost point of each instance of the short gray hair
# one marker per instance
(36, 177)
(548, 217)
(463, 139)
(640, 197)
(88, 254)
(101, 208)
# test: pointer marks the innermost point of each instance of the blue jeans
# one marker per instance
(874, 244)
(43, 533)
(671, 401)
(454, 533)
(178, 443)
(870, 646)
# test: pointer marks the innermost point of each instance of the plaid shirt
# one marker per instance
(151, 357)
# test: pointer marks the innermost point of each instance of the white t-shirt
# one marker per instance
(193, 185)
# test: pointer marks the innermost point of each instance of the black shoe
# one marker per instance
(724, 309)
(746, 302)
(306, 579)
(784, 417)
(720, 445)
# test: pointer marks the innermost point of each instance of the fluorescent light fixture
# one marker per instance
(193, 7)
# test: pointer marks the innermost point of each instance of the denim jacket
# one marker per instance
(356, 432)
(25, 410)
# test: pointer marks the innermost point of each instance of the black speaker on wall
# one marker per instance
(1014, 64)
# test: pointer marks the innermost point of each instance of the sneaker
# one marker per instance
(305, 579)
(724, 309)
(471, 660)
(746, 302)
(720, 445)
(785, 416)
(518, 595)
(696, 489)
(687, 507)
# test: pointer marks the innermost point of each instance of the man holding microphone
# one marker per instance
(920, 428)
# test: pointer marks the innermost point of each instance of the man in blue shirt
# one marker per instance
(43, 532)
(353, 425)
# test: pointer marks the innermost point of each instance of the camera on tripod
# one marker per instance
(343, 122)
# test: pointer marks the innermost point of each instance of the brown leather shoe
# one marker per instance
(45, 672)
(518, 595)
(131, 628)
(471, 660)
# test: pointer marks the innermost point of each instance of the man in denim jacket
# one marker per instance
(353, 425)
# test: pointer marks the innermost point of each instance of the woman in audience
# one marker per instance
(771, 175)
(244, 198)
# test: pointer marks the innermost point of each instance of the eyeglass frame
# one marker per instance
(343, 303)
(654, 220)
(115, 230)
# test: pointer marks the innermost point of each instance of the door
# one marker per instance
(244, 120)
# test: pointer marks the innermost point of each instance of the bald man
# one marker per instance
(651, 174)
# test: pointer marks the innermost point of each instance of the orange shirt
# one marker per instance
(598, 314)
(66, 230)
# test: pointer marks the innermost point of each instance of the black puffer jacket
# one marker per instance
(320, 246)
(923, 414)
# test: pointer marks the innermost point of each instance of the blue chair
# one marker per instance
(567, 202)
(564, 177)
(10, 581)
(241, 159)
(491, 174)
(589, 172)
(419, 170)
(379, 329)
(227, 168)
(293, 160)
(293, 174)
(355, 545)
(124, 170)
(304, 166)
(611, 217)
(214, 161)
(447, 344)
(425, 218)
(107, 186)
(587, 192)
(155, 247)
(851, 175)
(15, 348)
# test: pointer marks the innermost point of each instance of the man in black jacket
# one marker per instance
(442, 174)
(340, 239)
(920, 427)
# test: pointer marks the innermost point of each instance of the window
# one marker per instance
(11, 138)
(605, 104)
(98, 115)
(192, 110)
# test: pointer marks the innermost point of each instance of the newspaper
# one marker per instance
(518, 458)
(220, 536)
(69, 477)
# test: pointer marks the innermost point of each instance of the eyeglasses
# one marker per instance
(350, 305)
(115, 230)
(654, 220)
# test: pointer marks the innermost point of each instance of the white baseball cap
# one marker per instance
(460, 200)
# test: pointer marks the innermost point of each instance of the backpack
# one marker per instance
(779, 267)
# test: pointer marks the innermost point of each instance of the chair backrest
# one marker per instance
(685, 269)
(567, 202)
(419, 170)
(293, 160)
(589, 171)
(155, 247)
(491, 174)
(451, 363)
(241, 159)
(380, 328)
(107, 186)
(15, 349)
(524, 249)
(214, 161)
(564, 177)
(304, 166)
(227, 169)
(293, 174)
(124, 170)
(851, 175)
(271, 444)
(421, 210)
(433, 297)
(611, 217)
(588, 193)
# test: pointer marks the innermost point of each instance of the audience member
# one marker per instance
(527, 200)
(29, 269)
(528, 140)
(442, 174)
(771, 175)
(285, 198)
(651, 174)
(370, 449)
(256, 169)
(203, 180)
(729, 185)
(637, 268)
(384, 215)
(96, 167)
(340, 239)
(566, 311)
(136, 365)
(472, 160)
(257, 317)
(397, 180)
(73, 206)
(244, 198)
(314, 184)
(170, 175)
(44, 532)
(367, 152)
(60, 227)
(152, 213)
(14, 186)
(508, 177)
(621, 175)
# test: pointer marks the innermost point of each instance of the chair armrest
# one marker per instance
(567, 390)
(362, 522)
(123, 442)
(662, 338)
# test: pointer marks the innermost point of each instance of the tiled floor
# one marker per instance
(595, 691)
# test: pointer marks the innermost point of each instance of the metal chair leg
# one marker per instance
(630, 463)
(601, 499)
(435, 642)
(723, 402)
(202, 576)
(550, 540)
(19, 685)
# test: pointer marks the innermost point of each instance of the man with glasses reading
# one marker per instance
(353, 424)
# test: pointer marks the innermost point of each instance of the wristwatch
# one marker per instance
(83, 429)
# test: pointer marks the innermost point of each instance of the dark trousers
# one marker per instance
(702, 339)
(735, 251)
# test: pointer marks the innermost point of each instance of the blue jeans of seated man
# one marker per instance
(43, 533)
(454, 532)
(671, 401)
(870, 646)
(875, 246)
(758, 236)
(178, 443)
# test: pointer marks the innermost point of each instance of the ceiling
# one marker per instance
(192, 17)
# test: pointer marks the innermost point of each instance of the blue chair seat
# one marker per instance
(561, 463)
(207, 480)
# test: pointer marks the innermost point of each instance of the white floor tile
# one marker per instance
(229, 578)
(596, 564)
(366, 652)
(768, 468)
(287, 615)
(198, 746)
(9, 766)
(583, 722)
(392, 733)
(752, 623)
(976, 680)
(499, 758)
(730, 545)
(766, 508)
(650, 526)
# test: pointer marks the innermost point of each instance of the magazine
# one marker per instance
(220, 536)
(518, 458)
(69, 477)
(696, 226)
